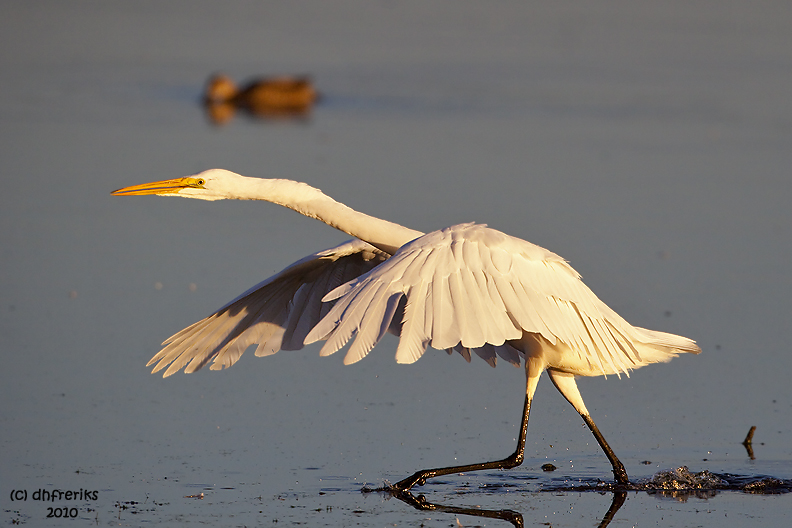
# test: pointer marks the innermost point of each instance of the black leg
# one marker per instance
(514, 460)
(618, 468)
(565, 383)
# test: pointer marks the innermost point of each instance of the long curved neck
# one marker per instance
(312, 202)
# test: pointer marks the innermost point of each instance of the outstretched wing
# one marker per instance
(469, 287)
(275, 314)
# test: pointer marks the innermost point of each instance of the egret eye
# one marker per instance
(201, 181)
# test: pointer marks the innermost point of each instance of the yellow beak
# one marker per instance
(161, 187)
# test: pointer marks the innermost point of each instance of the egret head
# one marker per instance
(213, 184)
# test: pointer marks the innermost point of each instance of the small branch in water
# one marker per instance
(748, 442)
(749, 437)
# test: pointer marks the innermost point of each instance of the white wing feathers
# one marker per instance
(450, 280)
(469, 287)
(277, 313)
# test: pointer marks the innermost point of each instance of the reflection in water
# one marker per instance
(268, 98)
(678, 484)
(420, 503)
(618, 500)
(511, 516)
(748, 442)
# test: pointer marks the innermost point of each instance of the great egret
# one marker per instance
(466, 288)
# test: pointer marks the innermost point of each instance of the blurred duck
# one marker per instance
(267, 97)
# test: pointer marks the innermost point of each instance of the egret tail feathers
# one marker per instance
(659, 347)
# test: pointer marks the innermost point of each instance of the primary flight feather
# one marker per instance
(466, 288)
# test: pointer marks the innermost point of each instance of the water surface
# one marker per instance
(649, 146)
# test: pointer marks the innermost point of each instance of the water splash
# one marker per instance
(681, 484)
(682, 478)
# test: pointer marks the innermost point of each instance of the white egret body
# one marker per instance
(466, 288)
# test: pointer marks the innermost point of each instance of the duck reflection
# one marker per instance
(268, 98)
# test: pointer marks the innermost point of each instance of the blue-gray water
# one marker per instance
(649, 145)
